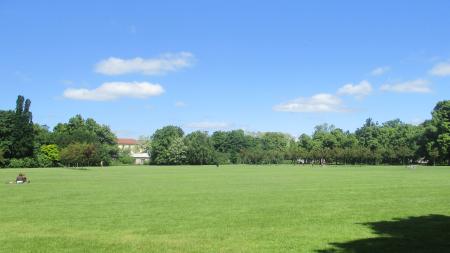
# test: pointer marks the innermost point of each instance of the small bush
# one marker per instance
(43, 160)
(26, 162)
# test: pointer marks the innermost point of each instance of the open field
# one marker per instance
(227, 209)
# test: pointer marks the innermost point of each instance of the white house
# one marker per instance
(136, 150)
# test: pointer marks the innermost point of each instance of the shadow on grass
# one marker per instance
(76, 168)
(423, 234)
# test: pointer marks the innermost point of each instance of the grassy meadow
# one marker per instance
(282, 208)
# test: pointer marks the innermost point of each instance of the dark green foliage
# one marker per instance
(82, 154)
(435, 140)
(199, 148)
(23, 132)
(7, 120)
(232, 143)
(16, 130)
(100, 141)
(80, 130)
(2, 157)
(42, 136)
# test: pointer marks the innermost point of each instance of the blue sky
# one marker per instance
(218, 65)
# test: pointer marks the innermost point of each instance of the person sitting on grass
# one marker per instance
(21, 178)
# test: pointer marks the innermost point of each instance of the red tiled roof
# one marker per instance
(125, 141)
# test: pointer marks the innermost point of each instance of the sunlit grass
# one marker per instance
(207, 209)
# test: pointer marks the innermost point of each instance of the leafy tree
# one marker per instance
(7, 120)
(199, 148)
(163, 140)
(80, 130)
(176, 153)
(275, 141)
(81, 154)
(42, 136)
(16, 130)
(441, 120)
(88, 131)
(219, 141)
(23, 132)
(232, 143)
(368, 137)
(49, 155)
(293, 152)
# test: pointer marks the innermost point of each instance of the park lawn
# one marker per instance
(242, 208)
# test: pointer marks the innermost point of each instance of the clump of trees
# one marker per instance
(80, 142)
(84, 142)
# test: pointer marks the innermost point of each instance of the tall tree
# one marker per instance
(163, 140)
(435, 142)
(7, 121)
(22, 135)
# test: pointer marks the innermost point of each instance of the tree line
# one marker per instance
(84, 142)
(392, 142)
(79, 142)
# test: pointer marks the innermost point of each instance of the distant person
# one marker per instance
(21, 178)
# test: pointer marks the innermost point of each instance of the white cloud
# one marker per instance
(115, 90)
(414, 86)
(153, 66)
(322, 102)
(180, 104)
(441, 69)
(359, 91)
(380, 70)
(208, 125)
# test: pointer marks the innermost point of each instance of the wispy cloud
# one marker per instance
(23, 77)
(321, 102)
(153, 66)
(380, 71)
(115, 90)
(359, 91)
(414, 86)
(180, 104)
(208, 125)
(441, 69)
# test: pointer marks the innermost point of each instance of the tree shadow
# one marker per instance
(76, 168)
(423, 234)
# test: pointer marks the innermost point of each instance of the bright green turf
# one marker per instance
(207, 209)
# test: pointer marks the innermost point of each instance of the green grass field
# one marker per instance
(227, 209)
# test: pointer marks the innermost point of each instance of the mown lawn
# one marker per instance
(227, 209)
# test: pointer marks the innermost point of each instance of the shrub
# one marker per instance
(43, 161)
(26, 162)
(81, 154)
(125, 157)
